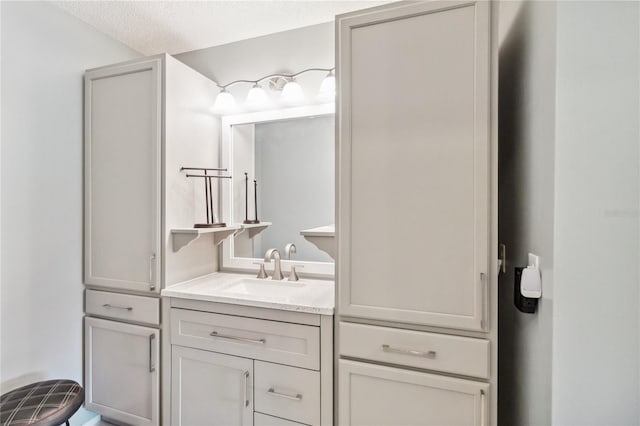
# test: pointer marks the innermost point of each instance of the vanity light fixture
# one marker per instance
(327, 90)
(292, 93)
(257, 98)
(225, 103)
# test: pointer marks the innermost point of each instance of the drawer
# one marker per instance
(432, 351)
(260, 419)
(281, 342)
(123, 306)
(287, 392)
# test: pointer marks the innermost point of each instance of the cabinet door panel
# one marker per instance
(376, 395)
(121, 371)
(210, 389)
(414, 163)
(122, 176)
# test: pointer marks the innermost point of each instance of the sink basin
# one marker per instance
(263, 288)
(306, 295)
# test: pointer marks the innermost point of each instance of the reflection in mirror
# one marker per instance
(293, 163)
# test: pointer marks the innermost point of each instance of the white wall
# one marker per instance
(596, 377)
(284, 52)
(569, 191)
(526, 200)
(44, 54)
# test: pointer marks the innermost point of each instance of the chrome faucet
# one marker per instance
(275, 255)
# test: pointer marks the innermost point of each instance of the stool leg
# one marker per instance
(67, 422)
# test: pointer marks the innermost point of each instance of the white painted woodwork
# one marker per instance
(210, 389)
(414, 164)
(285, 343)
(248, 311)
(126, 307)
(327, 371)
(451, 354)
(192, 136)
(182, 237)
(260, 419)
(386, 396)
(122, 176)
(288, 392)
(122, 366)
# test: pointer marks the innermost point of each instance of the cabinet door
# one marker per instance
(122, 176)
(413, 167)
(376, 395)
(211, 389)
(121, 371)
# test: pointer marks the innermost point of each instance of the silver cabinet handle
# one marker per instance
(241, 339)
(246, 390)
(482, 404)
(126, 308)
(152, 367)
(297, 397)
(152, 286)
(424, 354)
(484, 322)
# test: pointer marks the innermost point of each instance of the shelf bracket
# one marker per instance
(184, 236)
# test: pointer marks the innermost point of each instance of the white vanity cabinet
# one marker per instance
(122, 367)
(211, 389)
(143, 120)
(386, 396)
(416, 214)
(236, 365)
(123, 118)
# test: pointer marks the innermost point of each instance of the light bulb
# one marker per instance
(292, 93)
(327, 90)
(225, 103)
(257, 98)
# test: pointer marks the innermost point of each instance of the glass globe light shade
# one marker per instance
(225, 103)
(257, 98)
(292, 93)
(327, 90)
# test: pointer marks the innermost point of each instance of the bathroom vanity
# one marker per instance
(249, 351)
(417, 263)
(215, 348)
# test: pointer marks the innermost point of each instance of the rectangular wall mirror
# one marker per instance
(290, 153)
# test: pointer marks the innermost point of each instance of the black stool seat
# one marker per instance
(47, 403)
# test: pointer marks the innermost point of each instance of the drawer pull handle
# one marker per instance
(297, 397)
(242, 339)
(126, 308)
(424, 354)
(246, 390)
(152, 366)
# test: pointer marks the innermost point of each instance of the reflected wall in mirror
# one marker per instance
(292, 159)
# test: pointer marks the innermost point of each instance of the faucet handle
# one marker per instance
(262, 274)
(289, 249)
(293, 276)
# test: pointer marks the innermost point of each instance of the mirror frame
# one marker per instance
(228, 262)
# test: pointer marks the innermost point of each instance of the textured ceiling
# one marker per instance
(152, 27)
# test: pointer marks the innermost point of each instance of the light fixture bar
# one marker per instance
(275, 75)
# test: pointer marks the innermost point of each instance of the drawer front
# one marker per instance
(281, 342)
(123, 306)
(452, 354)
(260, 419)
(372, 394)
(287, 392)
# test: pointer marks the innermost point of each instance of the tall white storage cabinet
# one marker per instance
(144, 119)
(416, 223)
